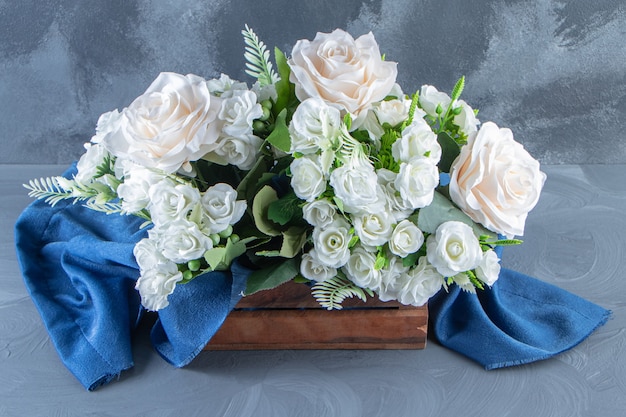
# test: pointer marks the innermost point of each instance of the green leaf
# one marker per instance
(449, 151)
(410, 260)
(219, 259)
(280, 137)
(442, 210)
(284, 89)
(247, 186)
(458, 88)
(272, 276)
(294, 239)
(285, 209)
(260, 206)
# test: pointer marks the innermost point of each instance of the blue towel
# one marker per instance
(79, 268)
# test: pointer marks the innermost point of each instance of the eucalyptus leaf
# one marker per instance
(260, 205)
(449, 151)
(272, 276)
(442, 210)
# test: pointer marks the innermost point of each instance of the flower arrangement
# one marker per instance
(323, 172)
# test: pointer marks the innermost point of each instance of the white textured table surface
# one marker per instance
(575, 238)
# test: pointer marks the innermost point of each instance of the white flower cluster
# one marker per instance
(178, 120)
(363, 196)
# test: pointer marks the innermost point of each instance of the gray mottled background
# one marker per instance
(554, 71)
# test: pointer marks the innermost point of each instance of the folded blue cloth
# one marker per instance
(79, 268)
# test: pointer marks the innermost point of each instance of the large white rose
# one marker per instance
(181, 241)
(341, 70)
(373, 229)
(417, 181)
(221, 207)
(406, 238)
(319, 213)
(172, 123)
(156, 284)
(331, 243)
(417, 141)
(495, 181)
(360, 269)
(312, 268)
(453, 249)
(307, 178)
(418, 284)
(314, 126)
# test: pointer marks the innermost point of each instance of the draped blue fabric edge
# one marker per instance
(79, 268)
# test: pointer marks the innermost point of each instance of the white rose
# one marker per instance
(89, 161)
(239, 111)
(418, 284)
(417, 141)
(314, 126)
(400, 210)
(319, 213)
(406, 238)
(181, 241)
(107, 123)
(391, 274)
(172, 123)
(148, 255)
(360, 269)
(495, 181)
(430, 98)
(221, 207)
(488, 270)
(224, 86)
(170, 201)
(357, 187)
(156, 284)
(135, 190)
(453, 249)
(373, 229)
(331, 243)
(307, 178)
(466, 120)
(265, 92)
(395, 111)
(341, 70)
(242, 151)
(311, 268)
(417, 181)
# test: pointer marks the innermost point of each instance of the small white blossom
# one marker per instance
(315, 126)
(307, 178)
(170, 201)
(331, 243)
(466, 120)
(489, 268)
(406, 238)
(312, 268)
(418, 284)
(417, 181)
(181, 241)
(224, 86)
(373, 229)
(221, 208)
(360, 269)
(453, 249)
(430, 98)
(135, 190)
(356, 185)
(239, 111)
(319, 213)
(155, 285)
(242, 151)
(417, 141)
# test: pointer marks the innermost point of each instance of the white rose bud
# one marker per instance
(489, 269)
(466, 120)
(430, 98)
(406, 238)
(307, 179)
(453, 249)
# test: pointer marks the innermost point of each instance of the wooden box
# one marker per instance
(288, 317)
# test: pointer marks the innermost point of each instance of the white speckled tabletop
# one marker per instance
(574, 239)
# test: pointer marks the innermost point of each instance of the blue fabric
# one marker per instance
(79, 268)
(519, 320)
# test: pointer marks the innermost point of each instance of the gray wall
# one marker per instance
(553, 71)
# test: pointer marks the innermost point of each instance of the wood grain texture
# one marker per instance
(288, 317)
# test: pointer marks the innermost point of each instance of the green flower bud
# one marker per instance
(266, 114)
(227, 232)
(215, 238)
(194, 265)
(258, 125)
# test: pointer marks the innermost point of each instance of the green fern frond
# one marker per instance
(258, 57)
(106, 207)
(48, 189)
(331, 293)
